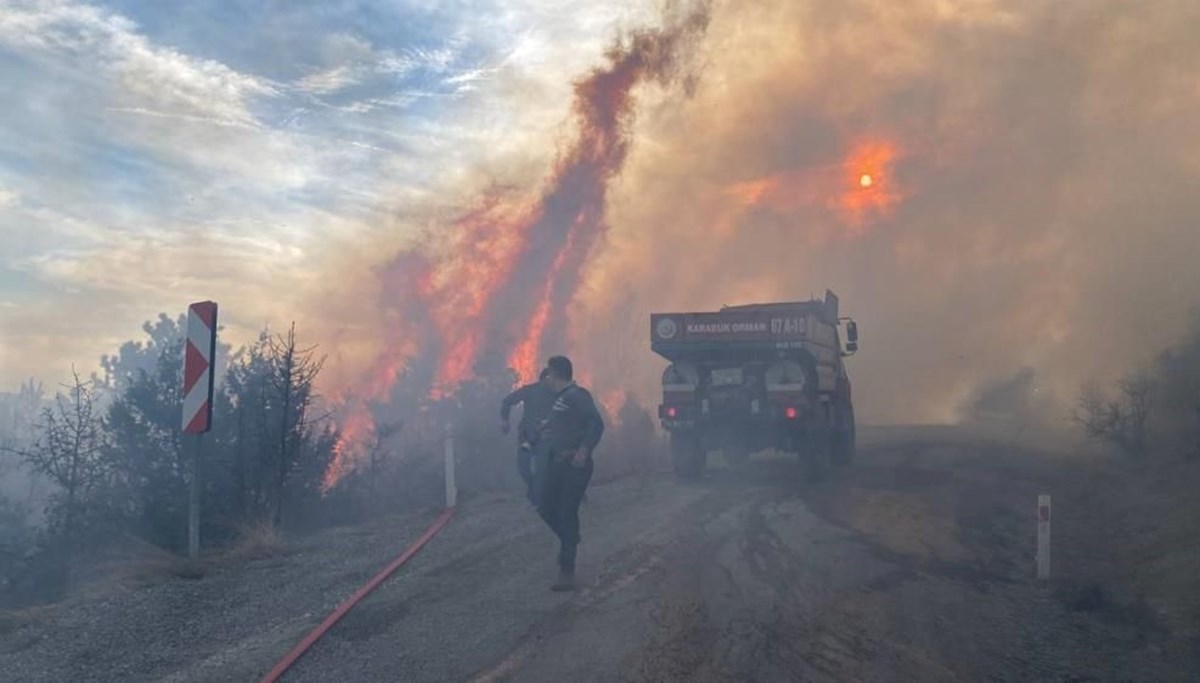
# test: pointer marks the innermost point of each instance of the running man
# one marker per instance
(567, 439)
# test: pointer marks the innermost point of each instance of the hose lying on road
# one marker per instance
(361, 593)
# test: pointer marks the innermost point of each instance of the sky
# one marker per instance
(154, 154)
(1029, 199)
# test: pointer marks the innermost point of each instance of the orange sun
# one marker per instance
(870, 192)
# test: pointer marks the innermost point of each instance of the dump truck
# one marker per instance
(753, 377)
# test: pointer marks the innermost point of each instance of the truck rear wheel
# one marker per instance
(687, 457)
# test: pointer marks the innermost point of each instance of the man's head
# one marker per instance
(559, 372)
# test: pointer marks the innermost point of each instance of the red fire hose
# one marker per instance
(361, 593)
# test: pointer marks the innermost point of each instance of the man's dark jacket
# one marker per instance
(574, 422)
(536, 399)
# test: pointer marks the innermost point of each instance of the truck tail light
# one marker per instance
(790, 413)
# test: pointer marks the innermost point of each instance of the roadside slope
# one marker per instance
(230, 624)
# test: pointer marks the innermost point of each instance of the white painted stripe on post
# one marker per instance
(194, 402)
(199, 335)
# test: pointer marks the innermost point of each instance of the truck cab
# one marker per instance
(752, 377)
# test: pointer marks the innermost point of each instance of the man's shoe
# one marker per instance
(566, 582)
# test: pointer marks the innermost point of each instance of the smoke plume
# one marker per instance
(492, 290)
(987, 186)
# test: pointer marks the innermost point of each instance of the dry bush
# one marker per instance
(1120, 418)
(254, 541)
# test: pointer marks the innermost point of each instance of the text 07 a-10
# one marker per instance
(787, 325)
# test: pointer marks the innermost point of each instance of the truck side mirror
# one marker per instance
(852, 334)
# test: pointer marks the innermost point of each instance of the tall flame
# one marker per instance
(498, 282)
(477, 259)
(524, 359)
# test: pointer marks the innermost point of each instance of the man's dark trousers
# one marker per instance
(558, 504)
(526, 467)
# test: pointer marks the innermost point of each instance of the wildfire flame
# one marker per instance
(500, 280)
(525, 358)
(357, 429)
(481, 252)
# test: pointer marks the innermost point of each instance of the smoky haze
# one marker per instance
(1042, 206)
(991, 189)
(491, 290)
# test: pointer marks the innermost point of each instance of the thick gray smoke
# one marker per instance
(1042, 209)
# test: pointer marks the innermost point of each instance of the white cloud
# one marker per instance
(108, 85)
(191, 118)
(329, 80)
(153, 77)
(396, 64)
(8, 197)
(265, 192)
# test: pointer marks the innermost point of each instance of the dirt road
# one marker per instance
(914, 565)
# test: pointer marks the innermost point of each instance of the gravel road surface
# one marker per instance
(914, 565)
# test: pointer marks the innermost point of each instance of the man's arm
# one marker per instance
(517, 396)
(593, 425)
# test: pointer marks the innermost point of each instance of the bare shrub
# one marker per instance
(1120, 417)
(257, 540)
(69, 449)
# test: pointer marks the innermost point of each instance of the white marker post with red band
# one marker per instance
(199, 355)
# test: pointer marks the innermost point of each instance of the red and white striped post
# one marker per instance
(199, 355)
